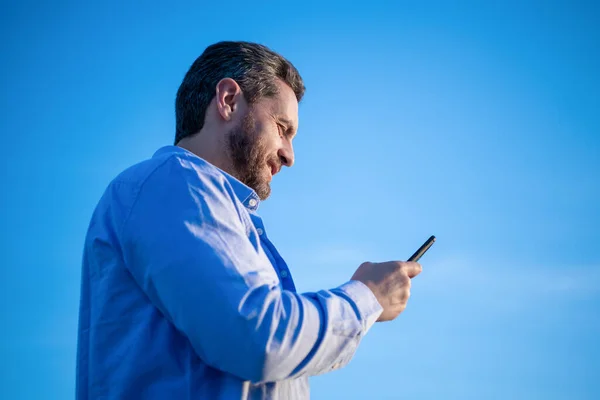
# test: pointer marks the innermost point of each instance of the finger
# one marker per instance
(412, 268)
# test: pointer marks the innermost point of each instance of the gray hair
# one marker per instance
(253, 66)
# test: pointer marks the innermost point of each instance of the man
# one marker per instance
(184, 296)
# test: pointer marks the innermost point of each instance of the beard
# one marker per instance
(249, 157)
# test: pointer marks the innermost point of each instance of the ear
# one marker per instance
(229, 98)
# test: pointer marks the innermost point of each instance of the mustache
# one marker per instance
(276, 161)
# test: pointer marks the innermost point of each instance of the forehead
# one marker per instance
(283, 104)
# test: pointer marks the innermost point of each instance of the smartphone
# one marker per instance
(419, 253)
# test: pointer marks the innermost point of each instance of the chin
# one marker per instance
(263, 191)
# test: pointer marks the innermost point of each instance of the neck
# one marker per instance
(209, 149)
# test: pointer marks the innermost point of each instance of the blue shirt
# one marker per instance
(183, 295)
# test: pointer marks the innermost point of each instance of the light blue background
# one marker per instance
(474, 121)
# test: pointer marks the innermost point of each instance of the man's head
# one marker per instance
(237, 108)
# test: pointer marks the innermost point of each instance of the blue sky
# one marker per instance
(474, 121)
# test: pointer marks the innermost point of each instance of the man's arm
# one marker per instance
(186, 246)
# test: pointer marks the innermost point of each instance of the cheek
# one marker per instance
(267, 139)
(270, 143)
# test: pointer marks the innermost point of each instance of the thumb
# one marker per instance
(412, 268)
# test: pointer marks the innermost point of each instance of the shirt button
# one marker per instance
(252, 202)
(260, 231)
(283, 274)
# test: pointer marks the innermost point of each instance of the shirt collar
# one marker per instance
(244, 193)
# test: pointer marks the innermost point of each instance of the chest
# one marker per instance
(277, 261)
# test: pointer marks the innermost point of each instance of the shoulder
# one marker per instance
(172, 164)
(172, 171)
(173, 176)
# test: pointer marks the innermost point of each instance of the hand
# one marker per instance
(390, 283)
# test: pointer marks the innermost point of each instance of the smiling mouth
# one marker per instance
(274, 169)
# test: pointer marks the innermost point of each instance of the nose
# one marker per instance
(286, 154)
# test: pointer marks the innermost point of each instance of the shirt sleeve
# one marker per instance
(186, 245)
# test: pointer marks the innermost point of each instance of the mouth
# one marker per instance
(274, 169)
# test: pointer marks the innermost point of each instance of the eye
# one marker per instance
(281, 130)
